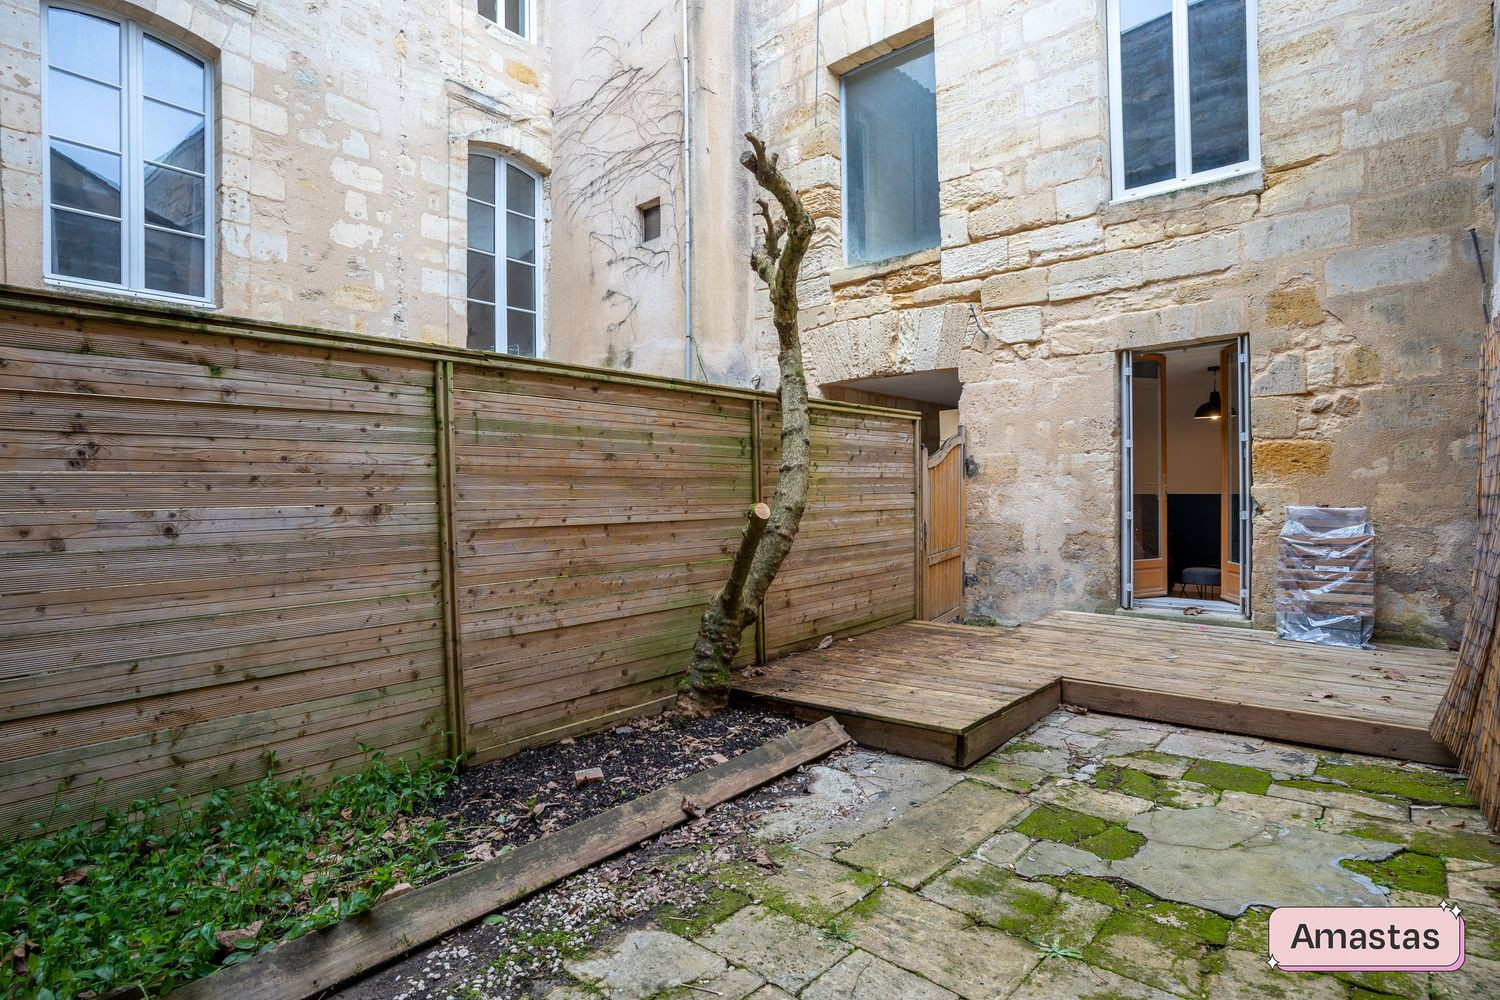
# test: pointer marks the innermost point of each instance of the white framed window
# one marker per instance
(128, 164)
(889, 128)
(512, 15)
(1184, 94)
(504, 263)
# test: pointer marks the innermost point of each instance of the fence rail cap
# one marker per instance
(82, 306)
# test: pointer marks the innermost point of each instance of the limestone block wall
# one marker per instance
(1347, 260)
(343, 132)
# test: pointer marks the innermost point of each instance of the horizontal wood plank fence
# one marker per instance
(222, 540)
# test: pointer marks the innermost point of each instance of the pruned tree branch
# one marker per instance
(765, 542)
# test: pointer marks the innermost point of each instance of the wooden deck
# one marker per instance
(952, 693)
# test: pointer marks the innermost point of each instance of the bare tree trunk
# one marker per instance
(768, 537)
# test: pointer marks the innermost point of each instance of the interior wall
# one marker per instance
(1194, 447)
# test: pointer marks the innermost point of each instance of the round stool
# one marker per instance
(1201, 577)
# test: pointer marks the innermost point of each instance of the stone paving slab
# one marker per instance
(863, 976)
(1006, 772)
(783, 951)
(1070, 979)
(1033, 911)
(1223, 862)
(815, 888)
(1094, 801)
(1047, 858)
(1334, 798)
(646, 962)
(1241, 750)
(861, 794)
(1159, 768)
(1146, 951)
(1235, 974)
(928, 838)
(1270, 809)
(941, 945)
(731, 984)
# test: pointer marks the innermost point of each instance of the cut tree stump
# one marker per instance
(318, 961)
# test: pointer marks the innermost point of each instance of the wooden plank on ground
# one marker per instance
(322, 959)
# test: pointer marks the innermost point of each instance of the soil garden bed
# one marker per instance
(509, 802)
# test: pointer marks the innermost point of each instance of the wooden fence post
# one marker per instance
(448, 559)
(919, 520)
(755, 497)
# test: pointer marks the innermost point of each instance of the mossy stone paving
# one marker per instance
(1229, 777)
(982, 926)
(1137, 783)
(1118, 896)
(1418, 786)
(1408, 870)
(1108, 840)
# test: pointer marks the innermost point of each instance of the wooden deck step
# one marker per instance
(953, 693)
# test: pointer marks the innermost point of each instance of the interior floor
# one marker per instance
(1210, 606)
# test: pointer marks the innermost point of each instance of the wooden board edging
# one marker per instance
(321, 959)
(1305, 728)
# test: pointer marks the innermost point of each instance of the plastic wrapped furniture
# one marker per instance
(1325, 576)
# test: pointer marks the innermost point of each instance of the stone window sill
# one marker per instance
(1193, 194)
(880, 268)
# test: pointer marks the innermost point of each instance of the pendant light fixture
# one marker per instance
(1214, 408)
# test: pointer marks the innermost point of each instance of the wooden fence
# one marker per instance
(222, 540)
(1468, 720)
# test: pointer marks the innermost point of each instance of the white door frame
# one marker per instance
(1247, 501)
(1127, 479)
(1127, 472)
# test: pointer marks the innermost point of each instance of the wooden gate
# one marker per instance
(943, 531)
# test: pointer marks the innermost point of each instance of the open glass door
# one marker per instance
(1234, 569)
(1148, 474)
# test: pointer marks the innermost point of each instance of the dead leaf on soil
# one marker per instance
(481, 851)
(230, 938)
(75, 876)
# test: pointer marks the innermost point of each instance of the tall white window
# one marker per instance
(513, 15)
(129, 158)
(890, 156)
(505, 276)
(1184, 101)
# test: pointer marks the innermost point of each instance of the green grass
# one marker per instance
(138, 898)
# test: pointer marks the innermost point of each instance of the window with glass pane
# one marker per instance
(510, 13)
(504, 288)
(1183, 97)
(890, 156)
(128, 157)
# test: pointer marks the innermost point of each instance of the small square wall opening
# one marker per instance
(651, 221)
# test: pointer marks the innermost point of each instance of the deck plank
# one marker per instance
(954, 693)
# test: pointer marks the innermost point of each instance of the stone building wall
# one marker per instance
(343, 132)
(617, 300)
(1347, 260)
